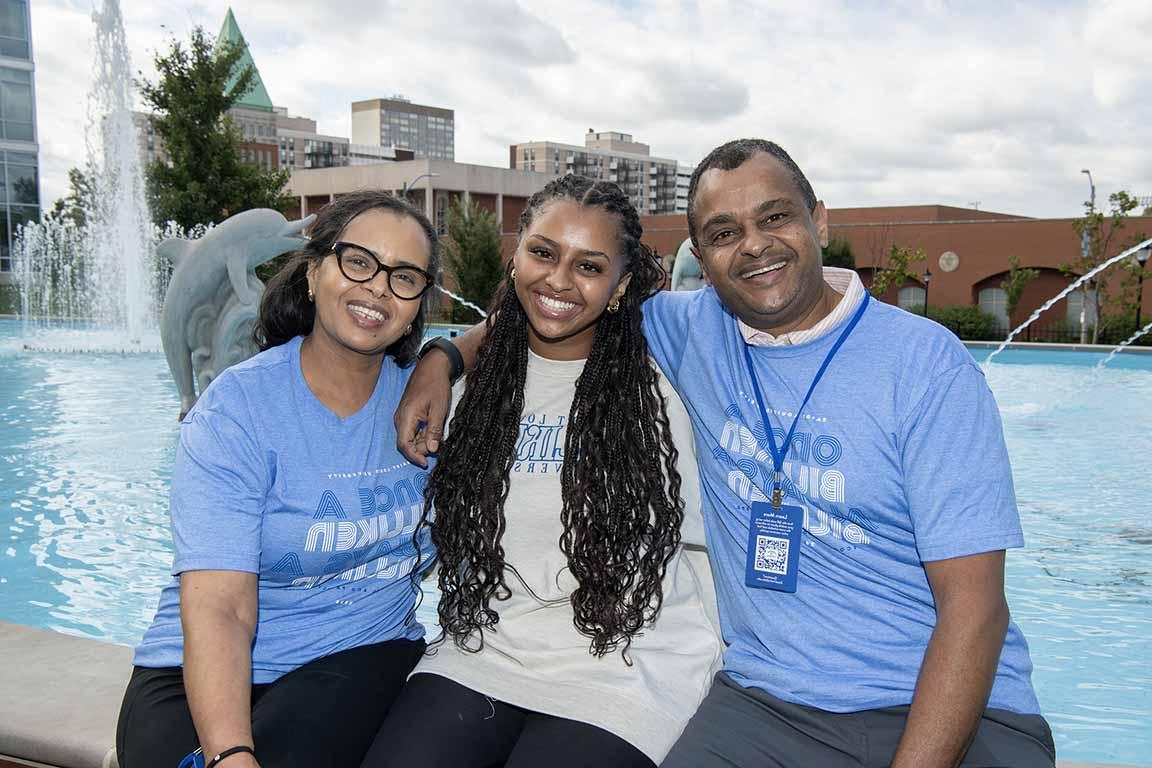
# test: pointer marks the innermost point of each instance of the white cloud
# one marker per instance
(911, 102)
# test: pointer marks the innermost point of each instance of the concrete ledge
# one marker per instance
(61, 697)
(1060, 347)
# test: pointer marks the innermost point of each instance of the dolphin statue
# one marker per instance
(213, 280)
(686, 274)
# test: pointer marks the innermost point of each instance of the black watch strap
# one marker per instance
(454, 357)
(229, 752)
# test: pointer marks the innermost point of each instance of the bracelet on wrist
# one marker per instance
(455, 359)
(239, 749)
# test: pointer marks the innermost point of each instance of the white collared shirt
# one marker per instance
(845, 282)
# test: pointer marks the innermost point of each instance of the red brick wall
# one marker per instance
(983, 246)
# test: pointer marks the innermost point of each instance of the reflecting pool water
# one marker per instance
(86, 446)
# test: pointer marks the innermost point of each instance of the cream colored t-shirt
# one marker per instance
(535, 658)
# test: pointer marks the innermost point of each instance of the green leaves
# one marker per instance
(203, 180)
(1097, 230)
(472, 252)
(1015, 283)
(838, 253)
(898, 271)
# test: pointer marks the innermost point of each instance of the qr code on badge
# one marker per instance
(772, 555)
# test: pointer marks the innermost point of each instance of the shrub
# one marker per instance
(967, 322)
(1117, 328)
(9, 300)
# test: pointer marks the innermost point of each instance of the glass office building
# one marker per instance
(19, 165)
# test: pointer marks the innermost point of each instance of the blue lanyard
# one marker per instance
(780, 453)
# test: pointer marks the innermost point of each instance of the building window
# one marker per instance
(21, 187)
(442, 213)
(16, 106)
(14, 29)
(20, 199)
(911, 298)
(994, 301)
(1075, 302)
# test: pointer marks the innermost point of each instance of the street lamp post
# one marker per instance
(1085, 249)
(1142, 259)
(409, 184)
(1092, 187)
(927, 277)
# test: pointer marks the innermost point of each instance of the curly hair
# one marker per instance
(621, 492)
(286, 311)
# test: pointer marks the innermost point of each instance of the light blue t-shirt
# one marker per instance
(899, 459)
(267, 480)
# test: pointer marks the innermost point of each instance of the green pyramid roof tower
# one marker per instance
(257, 96)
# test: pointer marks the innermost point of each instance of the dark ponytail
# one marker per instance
(286, 311)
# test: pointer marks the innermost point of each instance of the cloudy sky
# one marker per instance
(911, 101)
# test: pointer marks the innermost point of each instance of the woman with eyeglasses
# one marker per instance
(289, 626)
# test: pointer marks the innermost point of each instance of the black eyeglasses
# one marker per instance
(360, 265)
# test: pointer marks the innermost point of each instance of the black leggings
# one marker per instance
(322, 715)
(437, 723)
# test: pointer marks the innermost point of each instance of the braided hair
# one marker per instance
(621, 492)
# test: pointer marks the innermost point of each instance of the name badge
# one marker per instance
(194, 760)
(774, 547)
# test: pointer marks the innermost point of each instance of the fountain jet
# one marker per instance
(1075, 284)
(103, 272)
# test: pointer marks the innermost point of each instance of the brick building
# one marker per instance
(967, 252)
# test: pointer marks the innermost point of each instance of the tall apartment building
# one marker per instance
(649, 181)
(19, 152)
(396, 122)
(302, 147)
(683, 179)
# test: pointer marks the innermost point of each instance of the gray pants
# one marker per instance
(746, 728)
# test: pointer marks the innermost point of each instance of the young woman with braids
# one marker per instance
(577, 623)
(288, 629)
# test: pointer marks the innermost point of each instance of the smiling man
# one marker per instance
(857, 498)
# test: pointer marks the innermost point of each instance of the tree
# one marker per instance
(898, 270)
(1097, 231)
(838, 253)
(472, 251)
(1015, 283)
(74, 206)
(204, 180)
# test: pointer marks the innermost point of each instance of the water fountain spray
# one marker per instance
(461, 299)
(121, 224)
(1075, 284)
(1124, 345)
(104, 272)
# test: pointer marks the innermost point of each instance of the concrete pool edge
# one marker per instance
(77, 681)
(69, 691)
(1048, 346)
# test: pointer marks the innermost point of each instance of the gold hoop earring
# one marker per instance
(512, 275)
(614, 306)
(311, 296)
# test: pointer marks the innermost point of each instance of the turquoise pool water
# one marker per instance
(86, 444)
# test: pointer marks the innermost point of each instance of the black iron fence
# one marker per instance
(1111, 333)
(971, 324)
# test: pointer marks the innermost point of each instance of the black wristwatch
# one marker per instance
(448, 348)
